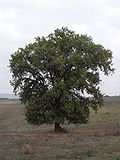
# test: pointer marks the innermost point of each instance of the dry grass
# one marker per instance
(60, 147)
(98, 140)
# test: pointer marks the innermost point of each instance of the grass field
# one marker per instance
(98, 140)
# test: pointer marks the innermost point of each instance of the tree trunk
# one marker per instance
(58, 128)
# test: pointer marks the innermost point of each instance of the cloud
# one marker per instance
(22, 20)
(112, 3)
(7, 25)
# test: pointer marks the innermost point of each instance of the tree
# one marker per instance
(53, 75)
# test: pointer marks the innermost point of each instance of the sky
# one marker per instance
(23, 20)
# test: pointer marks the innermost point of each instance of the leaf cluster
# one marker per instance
(53, 75)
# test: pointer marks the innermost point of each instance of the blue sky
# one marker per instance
(22, 20)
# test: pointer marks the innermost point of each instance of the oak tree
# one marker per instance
(54, 74)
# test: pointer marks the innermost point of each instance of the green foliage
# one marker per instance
(53, 75)
(118, 158)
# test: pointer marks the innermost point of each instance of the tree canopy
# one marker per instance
(53, 75)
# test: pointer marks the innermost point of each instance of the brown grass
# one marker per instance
(113, 131)
(98, 140)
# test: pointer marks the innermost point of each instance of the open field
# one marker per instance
(98, 140)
